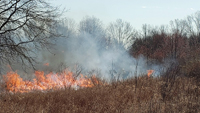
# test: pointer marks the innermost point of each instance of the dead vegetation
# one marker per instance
(136, 95)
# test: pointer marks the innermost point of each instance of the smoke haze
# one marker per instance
(93, 53)
(88, 49)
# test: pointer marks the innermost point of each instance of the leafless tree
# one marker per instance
(193, 24)
(92, 26)
(25, 26)
(67, 27)
(122, 31)
(149, 30)
(178, 26)
(145, 30)
(163, 29)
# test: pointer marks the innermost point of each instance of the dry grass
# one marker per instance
(137, 95)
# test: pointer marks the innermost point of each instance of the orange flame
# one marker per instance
(46, 64)
(149, 72)
(14, 83)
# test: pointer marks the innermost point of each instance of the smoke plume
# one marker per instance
(94, 53)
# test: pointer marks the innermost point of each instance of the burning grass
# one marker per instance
(52, 81)
(137, 95)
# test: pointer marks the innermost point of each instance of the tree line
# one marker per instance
(180, 41)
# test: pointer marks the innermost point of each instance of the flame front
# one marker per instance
(46, 64)
(14, 83)
(149, 72)
(51, 81)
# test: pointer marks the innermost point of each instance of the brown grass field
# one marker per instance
(136, 95)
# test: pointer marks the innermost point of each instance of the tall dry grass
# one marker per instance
(136, 95)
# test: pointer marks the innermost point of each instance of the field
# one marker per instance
(65, 66)
(136, 95)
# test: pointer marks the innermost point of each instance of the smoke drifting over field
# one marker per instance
(89, 50)
(95, 54)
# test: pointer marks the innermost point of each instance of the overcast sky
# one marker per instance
(137, 12)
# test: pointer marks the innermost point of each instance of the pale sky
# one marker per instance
(137, 12)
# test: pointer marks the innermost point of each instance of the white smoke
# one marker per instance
(93, 53)
(90, 51)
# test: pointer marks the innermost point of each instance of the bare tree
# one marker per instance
(25, 26)
(163, 29)
(178, 26)
(67, 27)
(193, 24)
(92, 26)
(149, 30)
(122, 31)
(145, 30)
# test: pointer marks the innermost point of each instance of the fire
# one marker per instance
(14, 83)
(149, 72)
(46, 64)
(51, 81)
